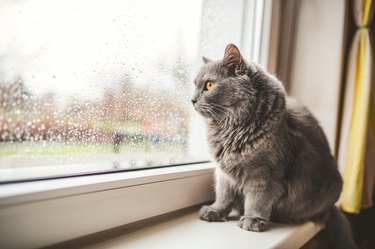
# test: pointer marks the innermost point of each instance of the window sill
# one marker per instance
(49, 212)
(187, 231)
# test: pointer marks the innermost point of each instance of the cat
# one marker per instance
(273, 159)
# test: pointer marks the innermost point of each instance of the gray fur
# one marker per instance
(272, 155)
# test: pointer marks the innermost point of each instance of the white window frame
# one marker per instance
(41, 213)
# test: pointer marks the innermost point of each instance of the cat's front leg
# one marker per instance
(222, 206)
(258, 205)
(257, 213)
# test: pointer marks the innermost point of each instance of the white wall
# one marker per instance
(316, 68)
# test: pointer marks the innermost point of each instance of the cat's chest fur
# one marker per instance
(243, 154)
(233, 151)
(238, 142)
(224, 146)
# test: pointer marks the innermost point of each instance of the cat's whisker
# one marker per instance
(218, 116)
(219, 112)
(224, 114)
(214, 113)
(216, 107)
(219, 106)
(222, 111)
(223, 120)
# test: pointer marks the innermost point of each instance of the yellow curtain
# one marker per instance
(357, 140)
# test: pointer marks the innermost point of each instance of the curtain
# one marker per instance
(357, 139)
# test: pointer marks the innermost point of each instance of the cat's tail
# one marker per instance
(339, 231)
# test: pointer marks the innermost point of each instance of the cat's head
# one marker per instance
(221, 86)
(232, 88)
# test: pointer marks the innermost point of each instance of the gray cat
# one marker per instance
(274, 161)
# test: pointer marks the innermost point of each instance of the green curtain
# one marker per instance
(357, 140)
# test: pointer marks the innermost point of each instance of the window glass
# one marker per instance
(90, 85)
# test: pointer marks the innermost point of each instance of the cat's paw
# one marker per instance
(252, 224)
(208, 213)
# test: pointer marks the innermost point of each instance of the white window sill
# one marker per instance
(187, 231)
(42, 213)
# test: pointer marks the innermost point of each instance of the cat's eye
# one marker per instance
(209, 85)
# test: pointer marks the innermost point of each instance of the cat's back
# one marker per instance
(310, 168)
(303, 126)
(314, 166)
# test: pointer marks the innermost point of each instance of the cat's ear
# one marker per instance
(233, 59)
(206, 60)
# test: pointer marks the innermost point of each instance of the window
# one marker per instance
(94, 86)
(89, 86)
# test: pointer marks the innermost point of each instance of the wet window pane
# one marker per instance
(90, 86)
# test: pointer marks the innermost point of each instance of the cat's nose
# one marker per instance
(193, 101)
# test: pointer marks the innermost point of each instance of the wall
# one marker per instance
(316, 63)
